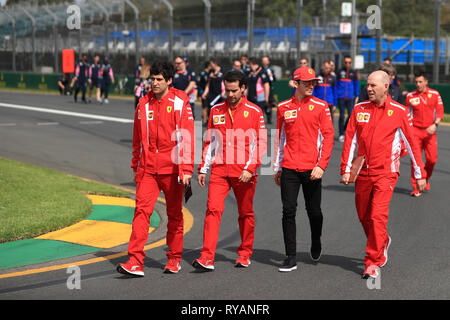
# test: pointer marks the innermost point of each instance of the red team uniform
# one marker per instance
(235, 141)
(377, 132)
(425, 108)
(160, 159)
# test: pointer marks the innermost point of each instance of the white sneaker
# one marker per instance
(386, 252)
(341, 138)
(106, 101)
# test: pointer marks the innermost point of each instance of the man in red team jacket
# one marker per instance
(163, 159)
(376, 129)
(233, 146)
(427, 112)
(302, 151)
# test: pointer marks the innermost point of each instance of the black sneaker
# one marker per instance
(289, 264)
(316, 251)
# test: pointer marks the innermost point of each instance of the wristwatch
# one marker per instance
(436, 124)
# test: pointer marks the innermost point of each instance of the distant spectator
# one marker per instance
(142, 85)
(107, 79)
(214, 91)
(94, 81)
(64, 84)
(326, 87)
(302, 62)
(184, 79)
(81, 78)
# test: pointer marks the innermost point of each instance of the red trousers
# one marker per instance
(428, 143)
(372, 197)
(147, 191)
(219, 187)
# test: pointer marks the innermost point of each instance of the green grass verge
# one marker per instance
(35, 200)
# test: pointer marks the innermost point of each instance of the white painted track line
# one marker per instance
(66, 113)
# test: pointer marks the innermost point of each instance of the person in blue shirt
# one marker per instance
(326, 87)
(347, 88)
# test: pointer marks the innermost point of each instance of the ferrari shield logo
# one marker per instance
(169, 109)
(245, 114)
(311, 108)
(390, 112)
(430, 95)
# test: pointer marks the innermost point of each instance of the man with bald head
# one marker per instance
(375, 130)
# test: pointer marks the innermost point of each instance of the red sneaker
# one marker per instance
(428, 187)
(204, 263)
(172, 266)
(242, 262)
(131, 268)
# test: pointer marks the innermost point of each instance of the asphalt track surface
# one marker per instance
(419, 257)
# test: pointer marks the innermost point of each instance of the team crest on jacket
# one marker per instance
(150, 115)
(311, 107)
(219, 119)
(292, 114)
(363, 117)
(430, 95)
(169, 109)
(245, 114)
(390, 112)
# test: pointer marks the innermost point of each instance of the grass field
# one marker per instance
(35, 200)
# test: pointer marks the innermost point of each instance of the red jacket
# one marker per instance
(235, 140)
(425, 106)
(377, 132)
(163, 135)
(305, 135)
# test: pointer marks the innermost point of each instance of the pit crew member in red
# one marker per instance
(376, 129)
(234, 143)
(303, 147)
(163, 159)
(427, 112)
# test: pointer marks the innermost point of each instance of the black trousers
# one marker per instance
(291, 181)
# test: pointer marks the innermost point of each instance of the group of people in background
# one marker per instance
(96, 76)
(209, 86)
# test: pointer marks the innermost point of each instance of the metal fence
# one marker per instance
(32, 35)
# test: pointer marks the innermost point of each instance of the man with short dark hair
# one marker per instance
(326, 87)
(81, 78)
(163, 160)
(427, 111)
(213, 93)
(233, 147)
